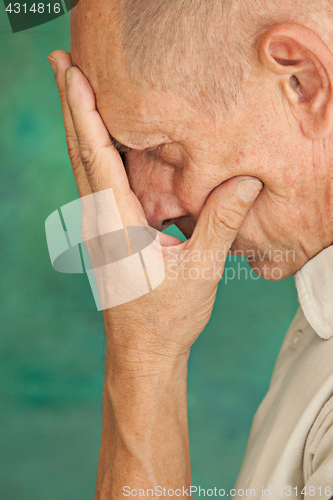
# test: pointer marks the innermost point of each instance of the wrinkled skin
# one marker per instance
(261, 138)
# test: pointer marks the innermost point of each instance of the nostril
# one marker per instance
(166, 223)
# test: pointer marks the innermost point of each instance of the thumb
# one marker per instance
(223, 215)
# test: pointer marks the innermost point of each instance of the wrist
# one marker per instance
(146, 393)
(134, 344)
(144, 365)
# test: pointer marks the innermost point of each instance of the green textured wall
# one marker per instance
(52, 340)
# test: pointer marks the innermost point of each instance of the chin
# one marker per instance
(272, 271)
(272, 262)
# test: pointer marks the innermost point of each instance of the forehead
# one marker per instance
(95, 48)
(125, 109)
(135, 116)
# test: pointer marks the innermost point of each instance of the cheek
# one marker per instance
(146, 174)
(272, 220)
(156, 181)
(193, 189)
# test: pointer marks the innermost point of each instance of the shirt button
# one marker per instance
(296, 339)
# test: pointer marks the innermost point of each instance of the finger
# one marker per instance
(100, 158)
(60, 61)
(223, 215)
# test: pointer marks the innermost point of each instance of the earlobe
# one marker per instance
(304, 66)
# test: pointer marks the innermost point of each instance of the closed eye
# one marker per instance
(155, 150)
(121, 148)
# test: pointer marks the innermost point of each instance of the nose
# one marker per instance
(153, 183)
(161, 209)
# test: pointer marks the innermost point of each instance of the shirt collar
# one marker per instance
(314, 283)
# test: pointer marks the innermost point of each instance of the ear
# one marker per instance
(304, 66)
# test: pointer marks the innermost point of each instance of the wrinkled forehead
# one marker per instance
(97, 51)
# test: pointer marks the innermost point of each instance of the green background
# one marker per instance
(52, 337)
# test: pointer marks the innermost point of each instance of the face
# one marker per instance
(176, 155)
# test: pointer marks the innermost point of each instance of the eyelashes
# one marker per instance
(154, 152)
(119, 147)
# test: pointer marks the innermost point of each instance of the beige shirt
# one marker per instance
(291, 441)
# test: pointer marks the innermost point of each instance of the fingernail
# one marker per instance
(249, 189)
(53, 64)
(67, 77)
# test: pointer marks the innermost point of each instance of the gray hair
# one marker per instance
(198, 48)
(183, 42)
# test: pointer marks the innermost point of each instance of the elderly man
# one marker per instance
(222, 111)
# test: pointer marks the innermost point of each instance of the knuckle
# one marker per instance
(63, 99)
(227, 218)
(71, 139)
(62, 94)
(73, 152)
(88, 156)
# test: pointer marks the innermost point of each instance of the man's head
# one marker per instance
(222, 89)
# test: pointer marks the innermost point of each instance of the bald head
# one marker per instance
(199, 49)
